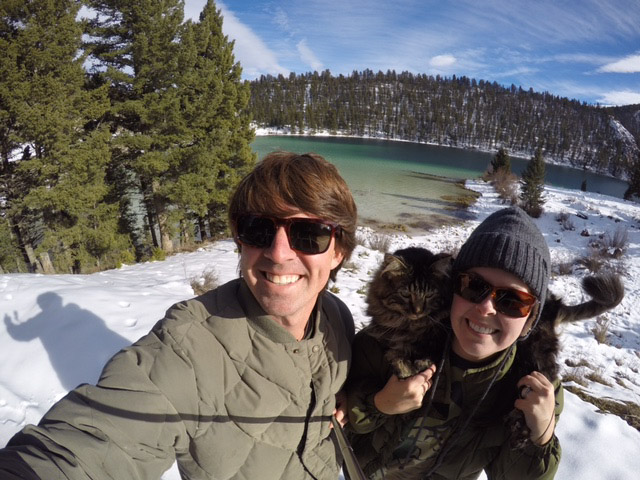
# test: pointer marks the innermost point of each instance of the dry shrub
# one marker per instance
(619, 239)
(564, 268)
(601, 329)
(207, 280)
(380, 242)
(505, 184)
(564, 219)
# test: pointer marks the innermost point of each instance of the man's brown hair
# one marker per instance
(285, 182)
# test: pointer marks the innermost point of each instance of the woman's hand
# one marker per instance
(538, 402)
(402, 396)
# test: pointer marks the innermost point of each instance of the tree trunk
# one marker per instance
(34, 264)
(185, 234)
(166, 243)
(46, 265)
(165, 236)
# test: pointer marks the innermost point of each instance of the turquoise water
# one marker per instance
(393, 182)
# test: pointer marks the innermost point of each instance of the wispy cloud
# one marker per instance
(584, 58)
(624, 97)
(308, 57)
(281, 19)
(630, 64)
(256, 57)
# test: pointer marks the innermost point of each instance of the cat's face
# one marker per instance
(411, 297)
(403, 291)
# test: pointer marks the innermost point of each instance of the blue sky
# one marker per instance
(583, 49)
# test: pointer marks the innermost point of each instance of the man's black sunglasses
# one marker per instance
(508, 301)
(306, 235)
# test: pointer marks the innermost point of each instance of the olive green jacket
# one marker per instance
(481, 444)
(217, 385)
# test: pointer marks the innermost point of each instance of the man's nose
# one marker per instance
(280, 251)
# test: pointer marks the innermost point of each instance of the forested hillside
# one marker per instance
(629, 117)
(455, 111)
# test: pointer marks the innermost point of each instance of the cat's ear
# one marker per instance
(443, 264)
(392, 265)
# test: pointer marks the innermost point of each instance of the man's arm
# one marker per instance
(125, 427)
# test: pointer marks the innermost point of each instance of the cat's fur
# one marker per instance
(539, 351)
(408, 302)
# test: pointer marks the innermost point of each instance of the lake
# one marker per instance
(410, 185)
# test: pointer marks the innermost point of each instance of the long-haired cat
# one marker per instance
(408, 302)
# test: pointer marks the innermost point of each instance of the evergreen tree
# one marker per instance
(532, 185)
(56, 199)
(11, 258)
(213, 101)
(181, 114)
(136, 50)
(501, 161)
(634, 185)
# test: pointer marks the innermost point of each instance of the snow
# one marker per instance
(59, 330)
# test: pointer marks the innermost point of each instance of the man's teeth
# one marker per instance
(282, 279)
(480, 329)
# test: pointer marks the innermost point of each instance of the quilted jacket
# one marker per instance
(216, 385)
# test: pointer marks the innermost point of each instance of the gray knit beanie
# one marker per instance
(509, 240)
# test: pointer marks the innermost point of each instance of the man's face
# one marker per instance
(286, 282)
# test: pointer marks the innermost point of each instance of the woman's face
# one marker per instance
(479, 330)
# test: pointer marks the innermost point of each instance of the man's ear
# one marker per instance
(338, 256)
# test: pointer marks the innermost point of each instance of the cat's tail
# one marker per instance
(606, 291)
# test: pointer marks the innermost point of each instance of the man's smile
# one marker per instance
(281, 279)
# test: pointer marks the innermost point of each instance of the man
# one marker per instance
(240, 382)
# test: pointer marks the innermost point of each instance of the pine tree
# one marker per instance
(56, 197)
(214, 103)
(135, 48)
(501, 161)
(634, 185)
(181, 114)
(532, 185)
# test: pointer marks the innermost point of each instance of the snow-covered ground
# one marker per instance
(59, 330)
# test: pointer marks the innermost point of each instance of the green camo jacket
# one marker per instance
(482, 444)
(217, 385)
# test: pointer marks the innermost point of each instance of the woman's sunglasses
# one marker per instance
(508, 301)
(306, 235)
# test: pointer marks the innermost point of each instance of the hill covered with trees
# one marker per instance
(455, 111)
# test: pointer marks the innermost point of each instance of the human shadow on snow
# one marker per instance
(77, 341)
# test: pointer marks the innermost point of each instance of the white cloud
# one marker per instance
(630, 64)
(281, 19)
(443, 61)
(620, 97)
(308, 57)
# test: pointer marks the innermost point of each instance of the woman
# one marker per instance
(448, 422)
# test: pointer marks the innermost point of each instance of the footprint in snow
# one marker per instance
(131, 322)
